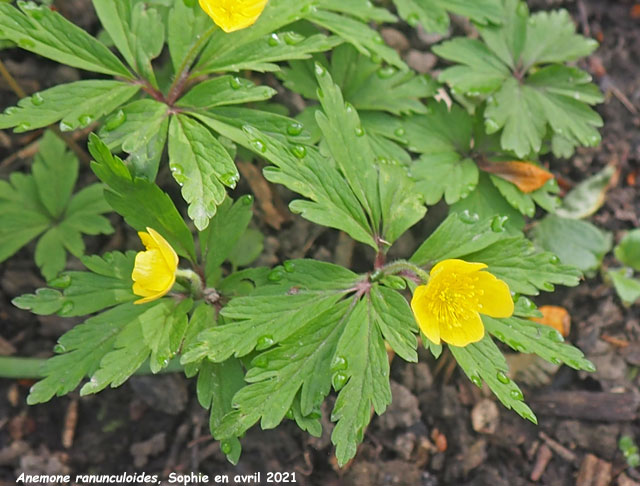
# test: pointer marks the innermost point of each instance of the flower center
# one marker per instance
(453, 298)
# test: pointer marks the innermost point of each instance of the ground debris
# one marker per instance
(594, 472)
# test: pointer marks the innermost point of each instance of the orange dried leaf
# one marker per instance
(526, 176)
(635, 11)
(556, 317)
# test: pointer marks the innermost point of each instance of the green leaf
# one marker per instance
(142, 203)
(277, 375)
(364, 83)
(201, 165)
(395, 320)
(136, 30)
(362, 348)
(75, 105)
(55, 170)
(224, 90)
(262, 54)
(627, 287)
(401, 206)
(147, 334)
(185, 26)
(217, 384)
(628, 250)
(525, 94)
(248, 247)
(485, 201)
(107, 283)
(140, 129)
(331, 201)
(526, 336)
(575, 242)
(458, 235)
(433, 14)
(523, 268)
(360, 35)
(272, 313)
(484, 361)
(361, 9)
(224, 231)
(41, 30)
(50, 254)
(81, 350)
(343, 134)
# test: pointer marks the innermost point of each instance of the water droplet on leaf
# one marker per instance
(260, 361)
(226, 447)
(22, 127)
(85, 120)
(293, 38)
(497, 223)
(61, 282)
(338, 380)
(235, 83)
(37, 99)
(295, 128)
(59, 348)
(399, 132)
(67, 308)
(115, 120)
(264, 342)
(359, 131)
(516, 394)
(476, 380)
(229, 179)
(386, 72)
(26, 43)
(502, 378)
(259, 145)
(274, 40)
(289, 266)
(339, 363)
(299, 151)
(468, 217)
(275, 275)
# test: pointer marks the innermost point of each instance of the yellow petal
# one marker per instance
(232, 15)
(467, 332)
(495, 300)
(151, 271)
(427, 322)
(454, 265)
(167, 250)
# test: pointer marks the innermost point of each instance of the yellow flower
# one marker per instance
(231, 15)
(448, 307)
(154, 272)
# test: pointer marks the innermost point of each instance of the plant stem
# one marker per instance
(400, 266)
(193, 281)
(32, 368)
(183, 71)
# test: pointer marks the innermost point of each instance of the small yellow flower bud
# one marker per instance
(154, 271)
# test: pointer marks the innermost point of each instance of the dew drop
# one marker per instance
(264, 342)
(359, 131)
(299, 151)
(274, 40)
(259, 145)
(275, 275)
(526, 302)
(468, 217)
(554, 259)
(225, 447)
(178, 173)
(295, 128)
(247, 199)
(555, 336)
(67, 308)
(235, 83)
(61, 282)
(516, 345)
(115, 121)
(502, 378)
(376, 58)
(476, 380)
(320, 70)
(516, 394)
(386, 72)
(289, 414)
(22, 127)
(549, 287)
(289, 266)
(12, 110)
(66, 127)
(378, 39)
(497, 223)
(37, 99)
(399, 132)
(293, 38)
(555, 360)
(339, 363)
(229, 179)
(59, 348)
(338, 380)
(85, 120)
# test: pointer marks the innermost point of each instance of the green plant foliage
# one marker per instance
(454, 150)
(628, 250)
(627, 287)
(43, 204)
(517, 68)
(433, 16)
(575, 242)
